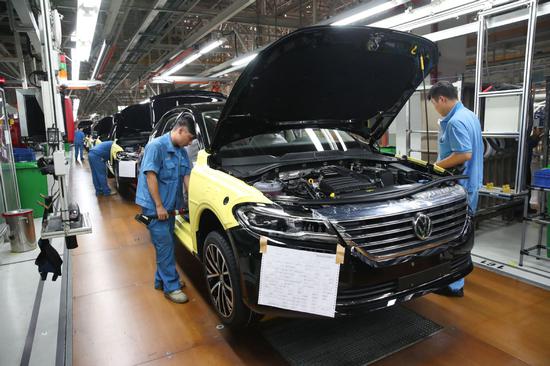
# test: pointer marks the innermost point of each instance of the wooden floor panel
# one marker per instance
(120, 319)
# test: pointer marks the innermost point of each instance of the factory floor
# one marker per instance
(120, 319)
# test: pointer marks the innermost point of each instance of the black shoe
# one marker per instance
(446, 291)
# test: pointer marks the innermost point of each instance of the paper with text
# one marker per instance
(299, 280)
(127, 169)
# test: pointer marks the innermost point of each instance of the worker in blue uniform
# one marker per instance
(461, 147)
(163, 176)
(79, 144)
(98, 157)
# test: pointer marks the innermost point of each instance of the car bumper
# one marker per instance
(362, 287)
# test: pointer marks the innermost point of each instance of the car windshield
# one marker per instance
(211, 119)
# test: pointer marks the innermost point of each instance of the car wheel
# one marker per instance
(222, 280)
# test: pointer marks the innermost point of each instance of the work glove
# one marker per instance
(48, 260)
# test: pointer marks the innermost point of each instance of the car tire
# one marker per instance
(224, 290)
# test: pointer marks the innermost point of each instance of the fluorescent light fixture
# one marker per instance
(434, 13)
(80, 84)
(98, 60)
(182, 79)
(86, 19)
(211, 46)
(76, 104)
(186, 61)
(228, 70)
(245, 60)
(369, 12)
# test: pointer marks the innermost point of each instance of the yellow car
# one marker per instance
(291, 161)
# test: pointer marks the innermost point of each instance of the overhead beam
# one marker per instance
(23, 10)
(214, 23)
(112, 15)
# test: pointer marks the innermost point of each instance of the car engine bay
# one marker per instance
(344, 180)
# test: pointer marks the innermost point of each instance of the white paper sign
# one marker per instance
(127, 169)
(299, 280)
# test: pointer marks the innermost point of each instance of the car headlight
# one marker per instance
(274, 222)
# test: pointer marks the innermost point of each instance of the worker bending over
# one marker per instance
(460, 146)
(98, 157)
(164, 174)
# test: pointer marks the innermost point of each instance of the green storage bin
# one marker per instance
(31, 184)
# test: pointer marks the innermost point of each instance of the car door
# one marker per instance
(183, 226)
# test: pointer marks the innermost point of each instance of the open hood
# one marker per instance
(353, 78)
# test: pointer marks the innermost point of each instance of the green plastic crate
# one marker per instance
(31, 184)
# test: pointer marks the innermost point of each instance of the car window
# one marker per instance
(211, 119)
(295, 140)
(170, 122)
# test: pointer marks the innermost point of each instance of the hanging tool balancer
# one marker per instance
(146, 220)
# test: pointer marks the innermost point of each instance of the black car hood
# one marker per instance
(140, 118)
(134, 120)
(353, 78)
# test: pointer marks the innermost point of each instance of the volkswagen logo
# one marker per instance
(422, 225)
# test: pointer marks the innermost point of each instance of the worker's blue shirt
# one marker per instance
(78, 137)
(103, 150)
(170, 164)
(460, 131)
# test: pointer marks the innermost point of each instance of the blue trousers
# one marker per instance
(472, 206)
(78, 149)
(99, 174)
(162, 236)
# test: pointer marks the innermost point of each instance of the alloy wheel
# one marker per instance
(219, 280)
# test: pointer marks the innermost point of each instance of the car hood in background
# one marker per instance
(353, 78)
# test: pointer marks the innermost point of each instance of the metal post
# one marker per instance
(524, 124)
(479, 62)
(524, 228)
(408, 132)
(46, 42)
(18, 50)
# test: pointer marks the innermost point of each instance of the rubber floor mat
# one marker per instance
(354, 340)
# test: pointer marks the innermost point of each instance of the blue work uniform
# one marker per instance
(78, 144)
(98, 156)
(170, 164)
(460, 132)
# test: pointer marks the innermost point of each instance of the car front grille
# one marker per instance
(388, 237)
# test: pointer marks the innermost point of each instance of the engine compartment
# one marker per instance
(343, 180)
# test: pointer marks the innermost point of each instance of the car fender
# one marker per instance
(218, 192)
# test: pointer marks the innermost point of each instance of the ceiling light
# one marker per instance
(211, 46)
(244, 61)
(86, 19)
(204, 50)
(369, 12)
(98, 60)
